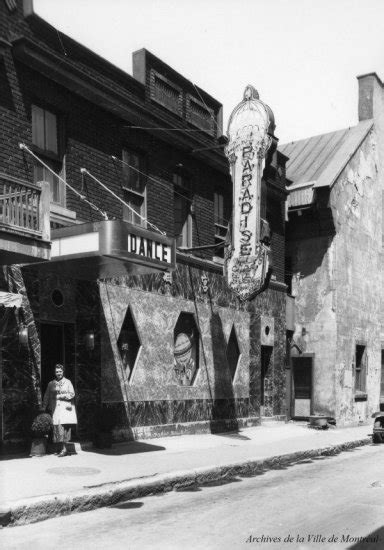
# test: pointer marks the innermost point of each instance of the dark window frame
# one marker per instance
(132, 194)
(360, 367)
(54, 159)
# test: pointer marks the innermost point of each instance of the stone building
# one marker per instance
(334, 265)
(150, 335)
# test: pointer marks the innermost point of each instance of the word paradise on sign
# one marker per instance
(247, 258)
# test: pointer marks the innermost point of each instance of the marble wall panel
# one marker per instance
(153, 413)
(152, 395)
(88, 366)
(156, 315)
(64, 313)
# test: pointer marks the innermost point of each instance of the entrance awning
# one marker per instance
(111, 248)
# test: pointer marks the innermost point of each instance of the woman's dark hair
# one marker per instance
(60, 366)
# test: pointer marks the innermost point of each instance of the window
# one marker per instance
(183, 221)
(134, 186)
(360, 368)
(45, 139)
(382, 375)
(221, 225)
(182, 209)
(219, 208)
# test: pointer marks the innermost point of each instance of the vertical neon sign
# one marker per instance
(247, 259)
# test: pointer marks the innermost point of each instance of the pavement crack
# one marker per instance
(119, 481)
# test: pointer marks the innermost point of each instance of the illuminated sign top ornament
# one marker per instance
(247, 258)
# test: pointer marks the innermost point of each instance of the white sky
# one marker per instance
(303, 56)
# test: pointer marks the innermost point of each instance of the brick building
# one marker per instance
(164, 351)
(334, 265)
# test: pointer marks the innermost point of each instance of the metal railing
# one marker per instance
(24, 206)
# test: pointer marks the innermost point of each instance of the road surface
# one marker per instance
(324, 503)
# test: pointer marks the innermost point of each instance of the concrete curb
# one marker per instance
(44, 507)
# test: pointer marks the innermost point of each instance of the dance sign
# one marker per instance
(247, 258)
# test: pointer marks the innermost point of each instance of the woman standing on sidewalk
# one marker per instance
(59, 399)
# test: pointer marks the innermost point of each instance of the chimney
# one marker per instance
(370, 95)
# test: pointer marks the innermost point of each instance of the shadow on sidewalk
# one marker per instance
(234, 436)
(126, 448)
(127, 505)
(14, 456)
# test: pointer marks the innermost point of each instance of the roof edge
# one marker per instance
(331, 183)
(371, 74)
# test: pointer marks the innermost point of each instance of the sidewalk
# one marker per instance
(33, 489)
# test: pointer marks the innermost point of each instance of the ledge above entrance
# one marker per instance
(111, 248)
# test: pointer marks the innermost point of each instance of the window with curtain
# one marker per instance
(45, 139)
(134, 186)
(182, 208)
(182, 221)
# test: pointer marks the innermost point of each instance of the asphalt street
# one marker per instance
(324, 503)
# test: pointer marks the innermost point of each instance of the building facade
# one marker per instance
(159, 351)
(334, 266)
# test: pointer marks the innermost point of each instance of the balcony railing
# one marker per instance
(24, 207)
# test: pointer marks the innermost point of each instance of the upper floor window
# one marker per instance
(44, 130)
(134, 185)
(221, 224)
(183, 221)
(182, 209)
(45, 138)
(218, 206)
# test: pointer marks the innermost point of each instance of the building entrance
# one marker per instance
(53, 350)
(302, 386)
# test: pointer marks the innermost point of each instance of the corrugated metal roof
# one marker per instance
(317, 161)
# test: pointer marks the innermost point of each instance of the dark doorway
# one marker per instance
(52, 352)
(266, 390)
(302, 387)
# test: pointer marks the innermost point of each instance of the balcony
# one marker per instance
(24, 221)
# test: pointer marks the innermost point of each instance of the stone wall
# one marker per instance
(337, 285)
(358, 278)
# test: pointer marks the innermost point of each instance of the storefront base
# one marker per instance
(190, 428)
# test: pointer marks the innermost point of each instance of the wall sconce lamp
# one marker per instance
(23, 335)
(89, 340)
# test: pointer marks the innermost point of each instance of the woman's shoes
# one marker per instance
(62, 453)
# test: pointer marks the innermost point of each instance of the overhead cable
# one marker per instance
(82, 197)
(85, 171)
(151, 178)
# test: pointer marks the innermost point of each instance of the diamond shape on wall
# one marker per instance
(128, 343)
(186, 349)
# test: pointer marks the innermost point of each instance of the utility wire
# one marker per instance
(82, 197)
(163, 129)
(189, 199)
(205, 105)
(147, 176)
(85, 171)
